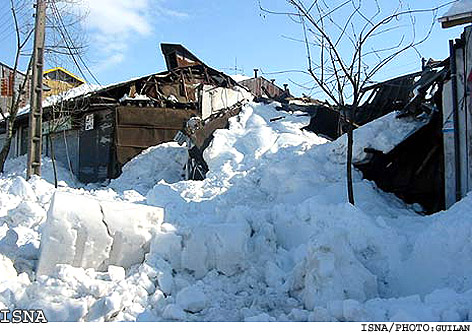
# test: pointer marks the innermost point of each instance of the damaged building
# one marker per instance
(97, 130)
(414, 169)
(260, 87)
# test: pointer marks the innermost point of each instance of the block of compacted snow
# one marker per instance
(131, 227)
(73, 234)
(85, 232)
(192, 299)
(216, 246)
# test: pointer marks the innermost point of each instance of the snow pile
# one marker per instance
(17, 167)
(162, 162)
(7, 271)
(442, 253)
(267, 236)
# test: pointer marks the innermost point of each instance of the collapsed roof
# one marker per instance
(176, 55)
(157, 89)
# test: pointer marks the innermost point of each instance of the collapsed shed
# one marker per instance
(414, 169)
(95, 131)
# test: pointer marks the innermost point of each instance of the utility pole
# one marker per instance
(36, 108)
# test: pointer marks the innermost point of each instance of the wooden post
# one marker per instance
(36, 111)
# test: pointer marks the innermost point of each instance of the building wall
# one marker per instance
(215, 99)
(259, 86)
(56, 87)
(138, 128)
(66, 148)
(6, 77)
(457, 127)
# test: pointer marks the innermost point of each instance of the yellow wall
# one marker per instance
(57, 87)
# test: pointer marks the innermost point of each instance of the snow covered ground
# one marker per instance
(267, 236)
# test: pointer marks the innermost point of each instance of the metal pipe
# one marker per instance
(457, 160)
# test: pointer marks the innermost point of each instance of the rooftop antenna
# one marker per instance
(235, 68)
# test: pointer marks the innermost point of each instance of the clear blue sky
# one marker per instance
(124, 38)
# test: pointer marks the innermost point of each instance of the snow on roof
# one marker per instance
(459, 13)
(239, 77)
(64, 96)
(382, 134)
(84, 90)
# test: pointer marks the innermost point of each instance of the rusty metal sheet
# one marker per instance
(203, 136)
(152, 117)
(138, 128)
(144, 137)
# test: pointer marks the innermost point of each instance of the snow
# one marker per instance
(459, 7)
(191, 299)
(382, 134)
(73, 235)
(267, 236)
(84, 232)
(239, 77)
(7, 271)
(66, 95)
(162, 162)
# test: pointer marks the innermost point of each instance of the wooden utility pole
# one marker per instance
(36, 108)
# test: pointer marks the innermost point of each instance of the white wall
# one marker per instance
(215, 99)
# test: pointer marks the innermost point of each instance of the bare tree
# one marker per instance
(349, 42)
(64, 38)
(9, 116)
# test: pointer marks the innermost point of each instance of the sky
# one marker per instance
(233, 36)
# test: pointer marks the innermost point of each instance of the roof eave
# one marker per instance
(455, 20)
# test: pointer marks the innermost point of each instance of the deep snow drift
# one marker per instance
(267, 236)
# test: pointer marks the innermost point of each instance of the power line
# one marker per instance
(9, 30)
(5, 19)
(70, 45)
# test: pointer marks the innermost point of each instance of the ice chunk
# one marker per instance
(168, 246)
(116, 273)
(84, 232)
(333, 272)
(21, 188)
(7, 271)
(74, 234)
(192, 299)
(130, 226)
(220, 246)
(174, 312)
(27, 214)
